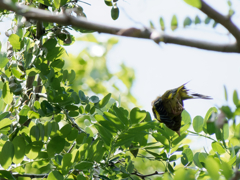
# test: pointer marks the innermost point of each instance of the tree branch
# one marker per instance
(30, 175)
(66, 19)
(223, 20)
(147, 175)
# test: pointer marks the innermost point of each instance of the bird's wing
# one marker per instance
(160, 112)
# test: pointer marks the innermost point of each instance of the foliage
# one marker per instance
(51, 131)
(93, 76)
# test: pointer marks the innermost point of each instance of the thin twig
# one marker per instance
(74, 124)
(147, 175)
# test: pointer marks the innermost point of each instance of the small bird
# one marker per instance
(167, 108)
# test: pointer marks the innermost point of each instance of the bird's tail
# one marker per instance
(200, 96)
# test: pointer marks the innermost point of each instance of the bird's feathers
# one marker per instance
(168, 107)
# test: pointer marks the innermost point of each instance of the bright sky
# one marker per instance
(162, 67)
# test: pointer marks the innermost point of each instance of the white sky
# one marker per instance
(159, 68)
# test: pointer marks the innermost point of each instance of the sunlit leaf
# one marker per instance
(213, 168)
(15, 41)
(235, 98)
(136, 115)
(218, 148)
(6, 94)
(225, 92)
(187, 156)
(6, 154)
(105, 100)
(162, 24)
(198, 124)
(55, 175)
(174, 22)
(194, 3)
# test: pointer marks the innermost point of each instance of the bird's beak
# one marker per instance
(178, 132)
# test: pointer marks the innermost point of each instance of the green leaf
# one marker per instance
(186, 117)
(3, 61)
(66, 130)
(106, 123)
(187, 22)
(7, 95)
(218, 148)
(33, 115)
(202, 157)
(174, 23)
(226, 170)
(194, 3)
(180, 174)
(80, 138)
(17, 73)
(227, 111)
(162, 24)
(57, 3)
(7, 154)
(235, 98)
(15, 41)
(32, 150)
(46, 107)
(73, 134)
(84, 165)
(55, 145)
(66, 163)
(225, 93)
(198, 124)
(212, 167)
(55, 175)
(179, 139)
(35, 133)
(136, 115)
(114, 119)
(108, 2)
(81, 110)
(55, 53)
(174, 157)
(187, 156)
(104, 101)
(87, 108)
(6, 175)
(94, 99)
(105, 134)
(161, 139)
(50, 44)
(115, 12)
(208, 116)
(5, 122)
(82, 96)
(4, 115)
(196, 160)
(57, 64)
(225, 131)
(197, 20)
(120, 114)
(40, 164)
(215, 24)
(81, 177)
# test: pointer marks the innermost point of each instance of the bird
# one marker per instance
(168, 108)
